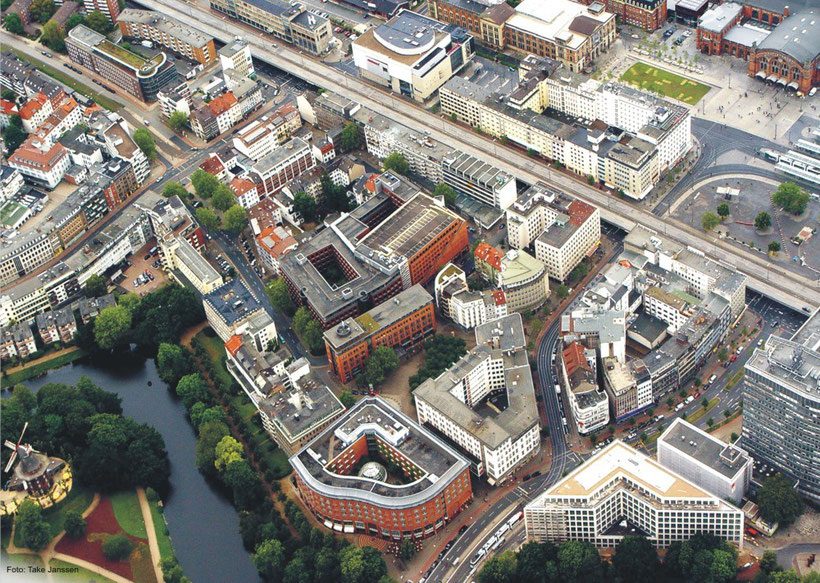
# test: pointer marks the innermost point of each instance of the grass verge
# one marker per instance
(39, 368)
(127, 510)
(701, 411)
(104, 101)
(216, 352)
(166, 551)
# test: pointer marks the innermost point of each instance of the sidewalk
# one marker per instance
(153, 545)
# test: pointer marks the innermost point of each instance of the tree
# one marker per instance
(279, 296)
(210, 434)
(407, 550)
(500, 569)
(636, 560)
(8, 94)
(361, 565)
(245, 484)
(445, 191)
(95, 286)
(145, 142)
(314, 337)
(269, 559)
(704, 403)
(192, 388)
(578, 272)
(562, 291)
(208, 218)
(111, 327)
(723, 355)
(774, 247)
(440, 352)
(205, 183)
(236, 219)
(73, 21)
(223, 198)
(304, 205)
(117, 547)
(382, 361)
(763, 221)
(579, 562)
(301, 319)
(227, 451)
(174, 189)
(791, 198)
(200, 413)
(173, 363)
(778, 500)
(74, 524)
(350, 139)
(13, 23)
(96, 20)
(768, 562)
(723, 210)
(42, 10)
(397, 163)
(178, 121)
(52, 36)
(723, 567)
(34, 531)
(709, 221)
(13, 134)
(347, 399)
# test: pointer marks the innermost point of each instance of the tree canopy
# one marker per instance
(791, 198)
(223, 198)
(309, 330)
(709, 221)
(381, 362)
(723, 210)
(178, 121)
(440, 352)
(397, 163)
(173, 363)
(334, 197)
(305, 206)
(349, 139)
(447, 192)
(192, 388)
(95, 286)
(111, 327)
(13, 134)
(34, 530)
(279, 296)
(236, 219)
(778, 500)
(208, 218)
(636, 560)
(96, 20)
(52, 36)
(763, 221)
(205, 183)
(13, 23)
(144, 140)
(174, 189)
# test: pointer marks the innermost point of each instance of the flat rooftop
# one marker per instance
(711, 452)
(170, 26)
(233, 301)
(719, 17)
(794, 365)
(376, 419)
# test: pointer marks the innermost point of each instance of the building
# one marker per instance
(429, 485)
(11, 182)
(781, 427)
(412, 54)
(175, 97)
(466, 308)
(147, 25)
(17, 341)
(236, 56)
(485, 402)
(110, 8)
(790, 55)
(67, 9)
(233, 309)
(401, 322)
(714, 26)
(565, 230)
(720, 468)
(628, 386)
(620, 492)
(588, 402)
(143, 78)
(523, 279)
(647, 14)
(90, 308)
(118, 143)
(477, 179)
(289, 161)
(293, 405)
(292, 24)
(57, 326)
(397, 238)
(689, 12)
(21, 8)
(194, 268)
(257, 139)
(272, 244)
(563, 30)
(45, 168)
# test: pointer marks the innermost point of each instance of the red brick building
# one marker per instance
(790, 55)
(376, 471)
(400, 322)
(647, 14)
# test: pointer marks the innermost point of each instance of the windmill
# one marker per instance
(34, 470)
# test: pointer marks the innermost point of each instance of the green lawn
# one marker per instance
(701, 411)
(127, 510)
(166, 551)
(11, 213)
(665, 83)
(216, 351)
(75, 573)
(36, 369)
(78, 499)
(104, 101)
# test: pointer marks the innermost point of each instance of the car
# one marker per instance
(449, 545)
(338, 29)
(734, 358)
(147, 256)
(536, 473)
(67, 66)
(463, 529)
(635, 36)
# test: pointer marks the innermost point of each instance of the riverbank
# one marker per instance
(18, 374)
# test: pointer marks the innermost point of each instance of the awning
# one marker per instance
(761, 74)
(781, 81)
(772, 77)
(793, 85)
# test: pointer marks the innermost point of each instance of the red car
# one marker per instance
(734, 358)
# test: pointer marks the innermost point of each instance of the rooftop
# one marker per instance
(796, 36)
(165, 24)
(793, 365)
(717, 18)
(711, 452)
(233, 301)
(553, 20)
(437, 462)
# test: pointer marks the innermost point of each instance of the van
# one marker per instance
(689, 399)
(679, 406)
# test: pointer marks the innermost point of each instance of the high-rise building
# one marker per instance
(110, 8)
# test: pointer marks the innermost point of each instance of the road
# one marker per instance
(794, 289)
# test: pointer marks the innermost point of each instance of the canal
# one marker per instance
(204, 525)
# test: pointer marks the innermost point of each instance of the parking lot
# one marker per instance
(144, 275)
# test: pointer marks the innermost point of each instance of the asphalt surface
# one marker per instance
(798, 291)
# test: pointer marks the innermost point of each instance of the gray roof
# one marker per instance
(170, 26)
(719, 17)
(233, 301)
(721, 457)
(796, 36)
(372, 416)
(794, 365)
(746, 35)
(648, 326)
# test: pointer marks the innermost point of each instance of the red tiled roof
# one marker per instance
(573, 356)
(489, 254)
(7, 107)
(222, 103)
(213, 165)
(30, 108)
(233, 344)
(31, 156)
(499, 297)
(579, 212)
(274, 243)
(241, 185)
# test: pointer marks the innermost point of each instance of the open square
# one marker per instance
(665, 83)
